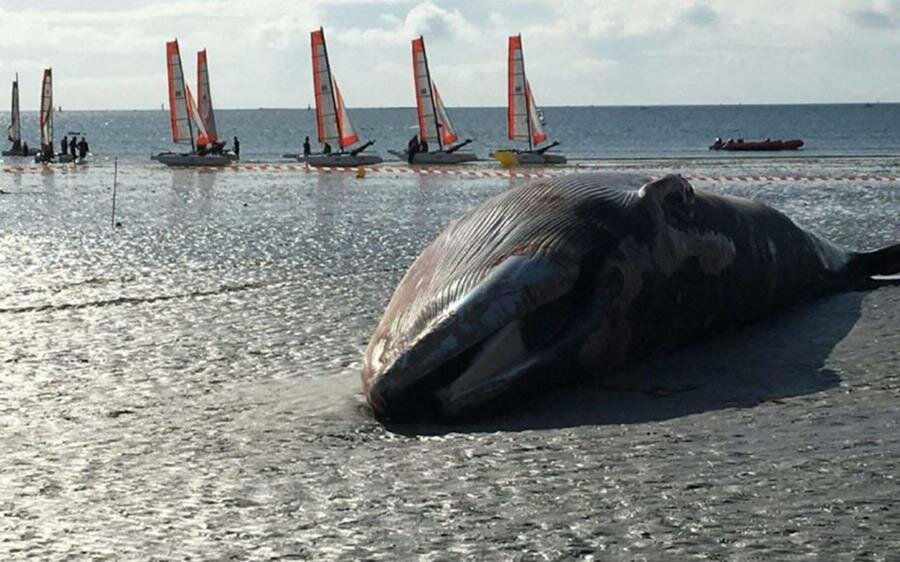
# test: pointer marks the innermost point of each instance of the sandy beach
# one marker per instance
(187, 386)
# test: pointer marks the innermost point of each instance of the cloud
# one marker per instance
(700, 15)
(426, 18)
(885, 16)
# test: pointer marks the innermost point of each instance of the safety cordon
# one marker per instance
(473, 172)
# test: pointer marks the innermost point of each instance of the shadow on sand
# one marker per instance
(777, 358)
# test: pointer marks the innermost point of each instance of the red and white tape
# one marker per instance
(473, 173)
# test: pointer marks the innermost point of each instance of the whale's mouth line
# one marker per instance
(425, 397)
(464, 382)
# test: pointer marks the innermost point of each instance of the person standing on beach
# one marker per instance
(73, 147)
(82, 148)
(411, 148)
(237, 148)
(64, 145)
(307, 150)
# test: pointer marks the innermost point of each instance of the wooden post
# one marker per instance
(115, 182)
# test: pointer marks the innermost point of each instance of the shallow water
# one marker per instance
(186, 386)
(585, 132)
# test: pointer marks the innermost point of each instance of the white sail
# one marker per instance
(434, 122)
(15, 125)
(199, 127)
(46, 119)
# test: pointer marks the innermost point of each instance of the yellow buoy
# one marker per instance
(507, 158)
(360, 172)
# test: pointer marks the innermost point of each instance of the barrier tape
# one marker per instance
(463, 172)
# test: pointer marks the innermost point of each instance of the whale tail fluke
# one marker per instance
(883, 262)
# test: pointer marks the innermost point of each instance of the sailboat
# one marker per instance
(15, 127)
(525, 123)
(188, 123)
(434, 122)
(332, 120)
(46, 154)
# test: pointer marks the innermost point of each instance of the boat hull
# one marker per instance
(189, 159)
(436, 158)
(341, 160)
(533, 158)
(759, 146)
(56, 159)
(20, 153)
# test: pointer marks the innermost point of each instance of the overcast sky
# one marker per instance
(110, 54)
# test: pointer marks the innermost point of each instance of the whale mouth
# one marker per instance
(499, 368)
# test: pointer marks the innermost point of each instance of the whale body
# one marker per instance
(573, 274)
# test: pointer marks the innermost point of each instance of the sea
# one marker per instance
(180, 375)
(585, 133)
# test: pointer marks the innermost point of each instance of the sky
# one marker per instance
(110, 54)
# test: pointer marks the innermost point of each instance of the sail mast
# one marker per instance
(437, 124)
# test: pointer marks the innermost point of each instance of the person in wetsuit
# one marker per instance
(411, 148)
(237, 148)
(307, 150)
(326, 148)
(73, 147)
(82, 148)
(64, 145)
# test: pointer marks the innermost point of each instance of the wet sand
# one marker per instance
(188, 387)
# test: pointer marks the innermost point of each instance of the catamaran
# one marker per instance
(332, 120)
(525, 123)
(434, 122)
(191, 125)
(46, 154)
(15, 127)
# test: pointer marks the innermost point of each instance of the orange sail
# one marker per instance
(434, 122)
(524, 124)
(332, 120)
(47, 112)
(204, 100)
(187, 124)
(182, 132)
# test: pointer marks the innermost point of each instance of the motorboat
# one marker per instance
(767, 145)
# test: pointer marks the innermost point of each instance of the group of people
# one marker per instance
(77, 148)
(219, 148)
(415, 146)
(19, 147)
(307, 148)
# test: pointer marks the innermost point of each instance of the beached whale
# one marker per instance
(568, 272)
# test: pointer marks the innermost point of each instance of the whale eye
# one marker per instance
(678, 205)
